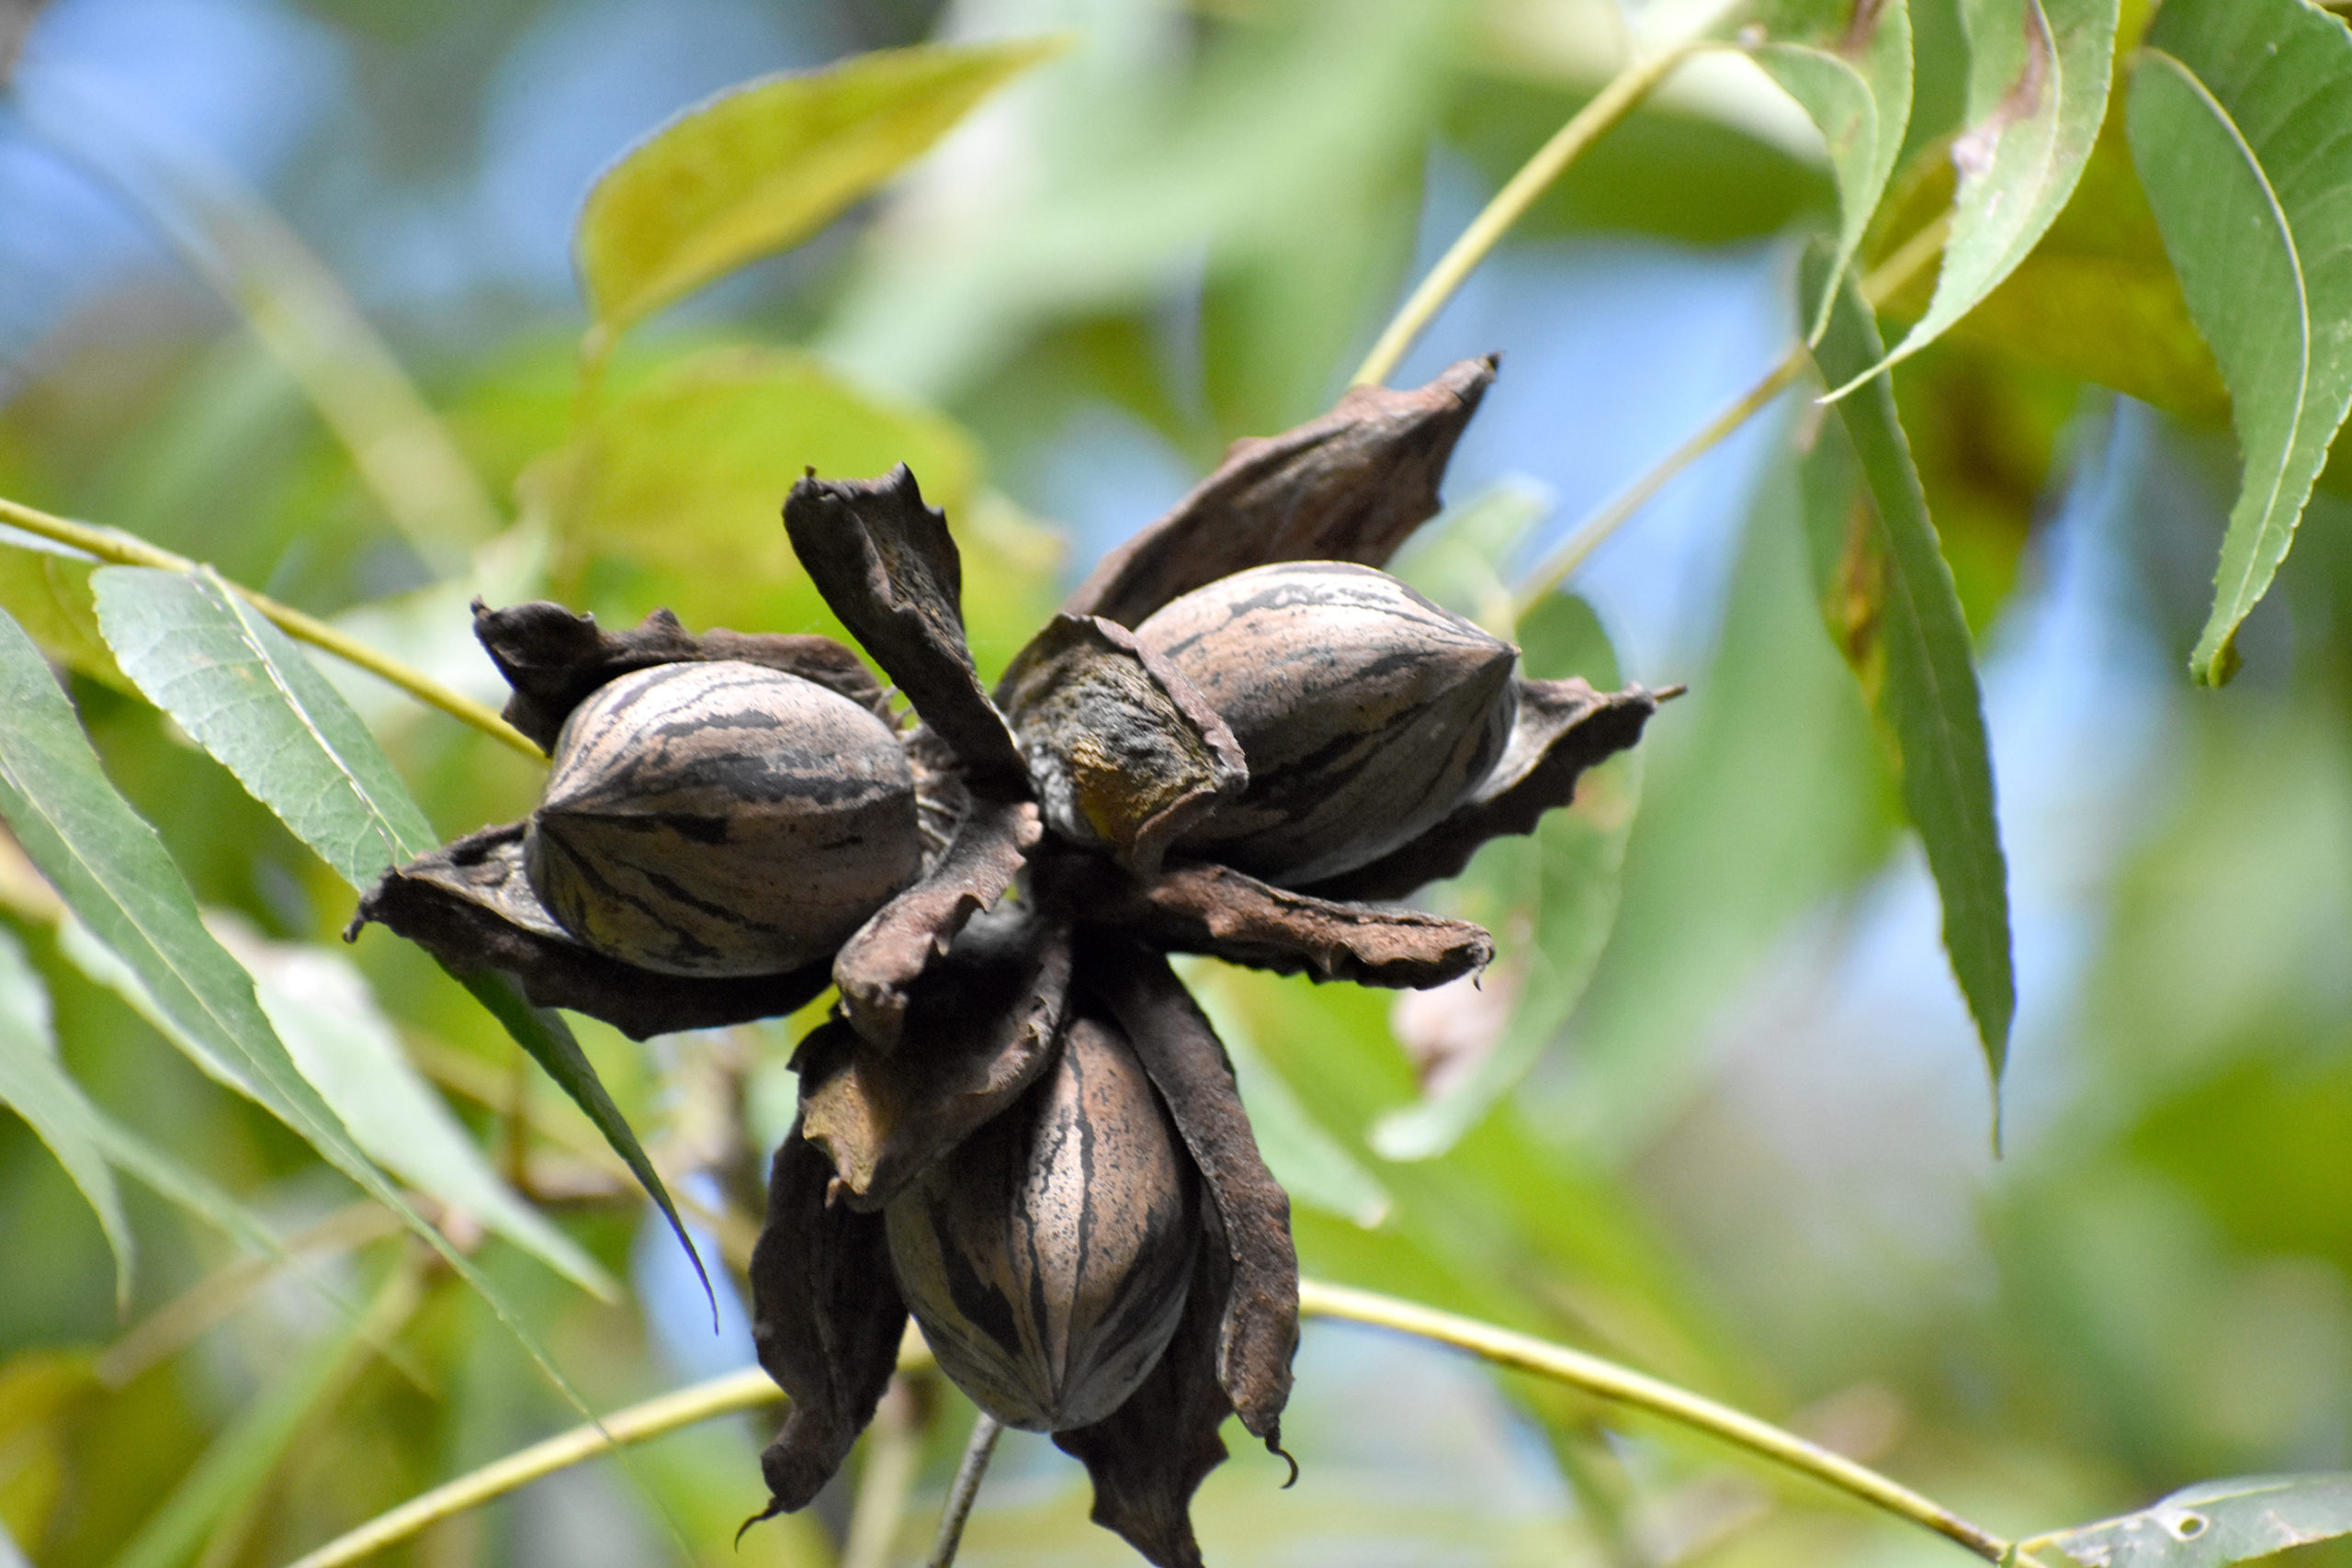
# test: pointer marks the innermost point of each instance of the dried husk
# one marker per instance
(1148, 1458)
(553, 659)
(1562, 729)
(889, 567)
(1349, 486)
(1124, 752)
(469, 904)
(721, 819)
(1363, 711)
(826, 1318)
(1192, 907)
(983, 1029)
(1258, 1329)
(1047, 1257)
(878, 965)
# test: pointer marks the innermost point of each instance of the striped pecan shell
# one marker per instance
(1049, 1256)
(721, 819)
(1364, 712)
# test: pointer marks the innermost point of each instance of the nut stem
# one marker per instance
(967, 1486)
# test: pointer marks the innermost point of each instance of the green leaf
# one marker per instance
(2237, 116)
(249, 696)
(1895, 613)
(2214, 1523)
(46, 586)
(2097, 299)
(1563, 890)
(220, 1491)
(114, 872)
(320, 1007)
(550, 1040)
(255, 701)
(35, 1085)
(762, 167)
(1312, 1165)
(675, 486)
(2038, 75)
(1847, 63)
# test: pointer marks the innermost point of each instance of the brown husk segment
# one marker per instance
(981, 1031)
(1124, 751)
(1149, 1457)
(1258, 1331)
(1564, 728)
(1349, 486)
(890, 570)
(470, 904)
(875, 968)
(826, 1317)
(1192, 907)
(554, 659)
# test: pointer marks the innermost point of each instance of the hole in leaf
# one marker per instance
(2188, 1526)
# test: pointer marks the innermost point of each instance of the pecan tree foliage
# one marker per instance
(1015, 1123)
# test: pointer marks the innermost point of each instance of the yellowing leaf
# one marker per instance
(762, 167)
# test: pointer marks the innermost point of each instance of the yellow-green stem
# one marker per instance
(893, 1459)
(1612, 104)
(1604, 1380)
(1624, 1386)
(123, 549)
(1887, 279)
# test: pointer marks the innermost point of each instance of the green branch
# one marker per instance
(749, 1389)
(123, 549)
(1889, 278)
(1612, 104)
(1622, 1385)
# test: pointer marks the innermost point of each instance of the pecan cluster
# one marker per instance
(1240, 739)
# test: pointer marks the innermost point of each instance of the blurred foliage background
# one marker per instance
(1758, 1159)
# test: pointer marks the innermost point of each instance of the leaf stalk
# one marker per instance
(1624, 93)
(123, 549)
(751, 1389)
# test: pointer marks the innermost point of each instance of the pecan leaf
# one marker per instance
(1147, 1457)
(1562, 727)
(982, 1030)
(554, 659)
(826, 1317)
(1123, 750)
(1349, 486)
(1194, 907)
(1258, 1330)
(875, 968)
(469, 904)
(890, 570)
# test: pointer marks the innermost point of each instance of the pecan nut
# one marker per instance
(721, 819)
(1049, 1256)
(1363, 711)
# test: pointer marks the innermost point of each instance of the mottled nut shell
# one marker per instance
(1363, 711)
(1047, 1257)
(721, 819)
